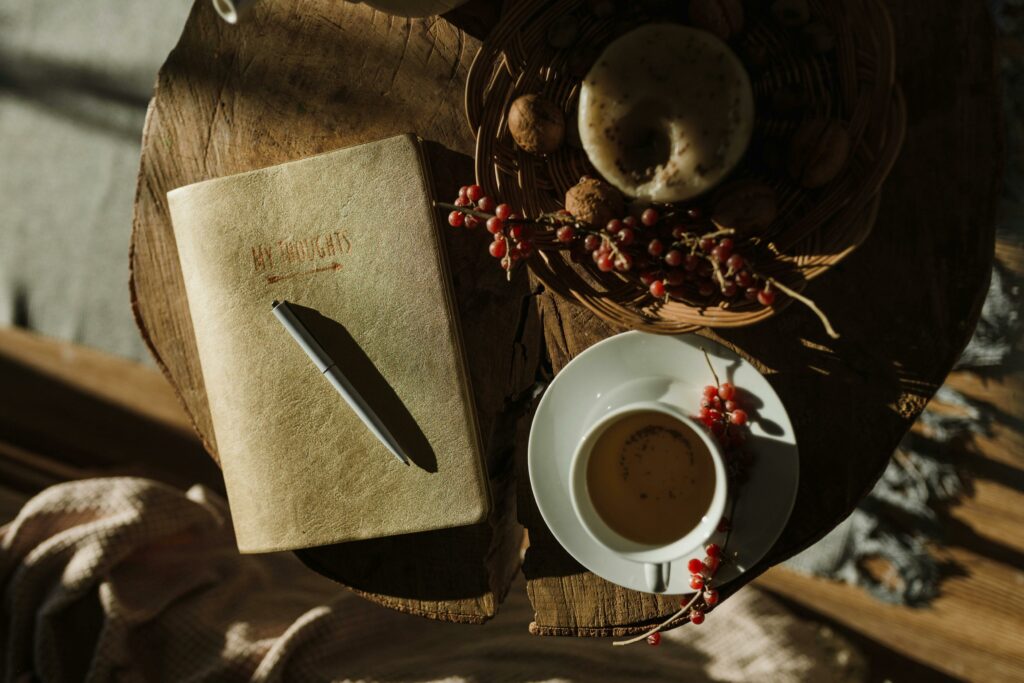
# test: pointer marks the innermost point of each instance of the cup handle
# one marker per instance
(657, 576)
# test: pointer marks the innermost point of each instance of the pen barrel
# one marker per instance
(359, 406)
(284, 313)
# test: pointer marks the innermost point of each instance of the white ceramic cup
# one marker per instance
(656, 559)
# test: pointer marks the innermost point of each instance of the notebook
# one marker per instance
(351, 240)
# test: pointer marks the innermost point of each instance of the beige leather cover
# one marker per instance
(351, 236)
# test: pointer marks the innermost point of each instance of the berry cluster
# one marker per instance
(669, 254)
(511, 233)
(702, 574)
(672, 253)
(721, 413)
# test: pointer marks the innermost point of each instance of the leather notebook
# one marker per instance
(350, 238)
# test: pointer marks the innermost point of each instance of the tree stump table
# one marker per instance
(299, 78)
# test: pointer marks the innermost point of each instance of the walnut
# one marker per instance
(594, 202)
(537, 125)
(818, 152)
(791, 13)
(746, 206)
(724, 18)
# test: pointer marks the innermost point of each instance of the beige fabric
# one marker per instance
(127, 579)
(301, 469)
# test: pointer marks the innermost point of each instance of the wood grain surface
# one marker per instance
(302, 78)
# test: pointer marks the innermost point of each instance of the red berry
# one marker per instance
(474, 193)
(744, 278)
(731, 406)
(565, 233)
(675, 277)
(630, 221)
(503, 211)
(456, 219)
(657, 289)
(462, 192)
(691, 262)
(674, 257)
(711, 596)
(655, 247)
(623, 262)
(712, 563)
(678, 232)
(486, 204)
(710, 391)
(462, 201)
(605, 263)
(696, 617)
(626, 236)
(730, 290)
(705, 414)
(591, 242)
(714, 414)
(727, 391)
(494, 225)
(738, 417)
(696, 582)
(751, 293)
(735, 263)
(473, 222)
(517, 232)
(707, 244)
(705, 289)
(649, 217)
(727, 244)
(695, 566)
(766, 297)
(654, 638)
(525, 248)
(498, 248)
(614, 225)
(720, 255)
(713, 550)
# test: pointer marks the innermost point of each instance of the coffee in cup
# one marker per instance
(648, 483)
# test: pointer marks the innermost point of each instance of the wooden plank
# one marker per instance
(68, 411)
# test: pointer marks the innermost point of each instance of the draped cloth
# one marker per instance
(128, 579)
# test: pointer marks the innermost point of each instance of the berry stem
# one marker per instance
(805, 301)
(711, 367)
(656, 629)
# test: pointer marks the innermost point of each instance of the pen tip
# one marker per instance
(274, 303)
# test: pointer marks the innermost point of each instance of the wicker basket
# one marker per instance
(815, 229)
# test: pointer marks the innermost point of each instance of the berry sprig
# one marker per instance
(673, 253)
(702, 577)
(721, 413)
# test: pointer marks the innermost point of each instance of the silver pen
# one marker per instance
(334, 375)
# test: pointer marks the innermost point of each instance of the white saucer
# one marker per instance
(636, 366)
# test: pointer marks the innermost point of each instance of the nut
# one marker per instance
(537, 125)
(594, 202)
(818, 152)
(791, 13)
(746, 206)
(724, 18)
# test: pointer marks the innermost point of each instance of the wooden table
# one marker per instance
(301, 78)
